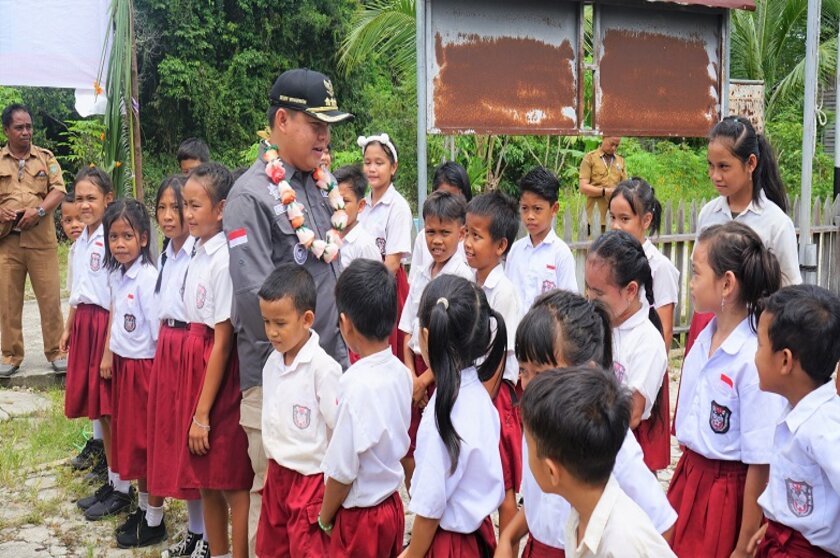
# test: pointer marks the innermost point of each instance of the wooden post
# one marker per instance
(133, 109)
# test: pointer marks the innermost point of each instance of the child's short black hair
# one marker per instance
(578, 417)
(541, 182)
(193, 148)
(354, 177)
(446, 207)
(290, 280)
(503, 214)
(366, 292)
(135, 214)
(453, 174)
(215, 178)
(806, 321)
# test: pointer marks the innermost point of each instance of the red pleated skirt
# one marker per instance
(86, 393)
(536, 549)
(164, 424)
(447, 544)
(129, 416)
(780, 541)
(397, 339)
(417, 412)
(227, 465)
(375, 531)
(708, 496)
(510, 439)
(654, 434)
(288, 524)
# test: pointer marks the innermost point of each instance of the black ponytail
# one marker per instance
(737, 248)
(457, 315)
(642, 199)
(746, 142)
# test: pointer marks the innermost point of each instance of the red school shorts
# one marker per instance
(447, 544)
(375, 531)
(780, 541)
(536, 549)
(654, 434)
(510, 440)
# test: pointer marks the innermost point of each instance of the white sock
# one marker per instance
(143, 501)
(153, 515)
(195, 517)
(97, 429)
(112, 476)
(121, 485)
(222, 555)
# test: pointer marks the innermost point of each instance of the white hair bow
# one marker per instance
(383, 139)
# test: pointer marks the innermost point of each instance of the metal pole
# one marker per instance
(807, 250)
(420, 30)
(837, 126)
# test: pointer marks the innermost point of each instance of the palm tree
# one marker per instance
(386, 30)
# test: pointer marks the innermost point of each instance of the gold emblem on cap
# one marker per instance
(329, 87)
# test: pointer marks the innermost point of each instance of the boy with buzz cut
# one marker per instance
(444, 215)
(541, 261)
(300, 403)
(191, 153)
(491, 227)
(357, 241)
(575, 422)
(362, 511)
(797, 353)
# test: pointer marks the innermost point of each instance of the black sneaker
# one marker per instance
(93, 452)
(142, 535)
(184, 547)
(202, 550)
(130, 524)
(99, 473)
(101, 493)
(113, 504)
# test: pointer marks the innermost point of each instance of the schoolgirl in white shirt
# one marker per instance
(563, 329)
(723, 420)
(133, 341)
(362, 510)
(458, 481)
(618, 274)
(797, 355)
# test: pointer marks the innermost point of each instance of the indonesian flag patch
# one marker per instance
(237, 237)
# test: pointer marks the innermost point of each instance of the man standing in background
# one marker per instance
(600, 172)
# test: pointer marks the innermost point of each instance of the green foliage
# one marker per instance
(8, 95)
(83, 143)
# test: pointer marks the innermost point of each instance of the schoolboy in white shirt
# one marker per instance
(541, 261)
(357, 241)
(362, 510)
(300, 396)
(797, 354)
(575, 422)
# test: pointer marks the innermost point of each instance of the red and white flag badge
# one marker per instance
(237, 237)
(727, 380)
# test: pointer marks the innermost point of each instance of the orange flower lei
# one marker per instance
(327, 249)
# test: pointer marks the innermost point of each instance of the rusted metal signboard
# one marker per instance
(658, 71)
(497, 66)
(746, 98)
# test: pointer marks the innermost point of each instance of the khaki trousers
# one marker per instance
(603, 206)
(250, 418)
(41, 264)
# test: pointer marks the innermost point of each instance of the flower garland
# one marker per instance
(282, 191)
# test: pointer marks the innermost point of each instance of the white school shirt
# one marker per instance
(370, 439)
(134, 311)
(616, 529)
(389, 222)
(771, 224)
(463, 499)
(208, 290)
(721, 412)
(537, 269)
(358, 243)
(171, 306)
(409, 322)
(421, 257)
(90, 277)
(501, 296)
(804, 488)
(546, 513)
(69, 278)
(300, 404)
(639, 357)
(666, 277)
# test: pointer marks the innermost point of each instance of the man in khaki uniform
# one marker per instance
(600, 172)
(31, 187)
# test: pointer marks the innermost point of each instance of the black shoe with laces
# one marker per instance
(99, 473)
(113, 504)
(202, 550)
(131, 522)
(101, 493)
(184, 547)
(93, 452)
(141, 534)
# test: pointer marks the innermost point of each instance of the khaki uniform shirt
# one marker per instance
(601, 173)
(27, 187)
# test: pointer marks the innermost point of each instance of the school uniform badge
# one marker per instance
(547, 286)
(800, 497)
(380, 243)
(619, 371)
(301, 416)
(200, 296)
(719, 418)
(95, 261)
(129, 322)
